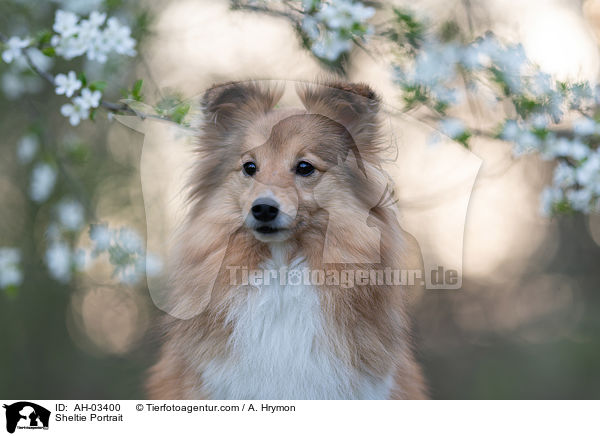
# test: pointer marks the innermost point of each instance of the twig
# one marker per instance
(116, 108)
(264, 10)
(468, 11)
(360, 45)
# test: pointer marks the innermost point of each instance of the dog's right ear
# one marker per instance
(353, 105)
(229, 104)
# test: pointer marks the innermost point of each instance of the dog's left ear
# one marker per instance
(353, 105)
(229, 104)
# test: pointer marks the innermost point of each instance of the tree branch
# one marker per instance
(238, 5)
(116, 108)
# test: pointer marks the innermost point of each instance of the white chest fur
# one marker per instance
(279, 350)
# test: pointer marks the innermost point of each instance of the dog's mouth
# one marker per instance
(267, 230)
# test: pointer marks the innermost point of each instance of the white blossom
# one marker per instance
(43, 179)
(512, 57)
(14, 85)
(91, 35)
(75, 112)
(436, 63)
(126, 252)
(88, 99)
(65, 23)
(588, 174)
(130, 241)
(526, 142)
(555, 107)
(97, 50)
(70, 214)
(58, 260)
(80, 6)
(118, 37)
(580, 199)
(128, 274)
(452, 127)
(310, 26)
(564, 175)
(69, 47)
(81, 259)
(101, 237)
(541, 84)
(27, 147)
(67, 84)
(53, 232)
(584, 126)
(307, 5)
(14, 48)
(580, 95)
(96, 19)
(76, 38)
(445, 94)
(549, 198)
(10, 274)
(334, 24)
(471, 57)
(489, 47)
(154, 265)
(343, 14)
(539, 121)
(331, 46)
(510, 131)
(577, 150)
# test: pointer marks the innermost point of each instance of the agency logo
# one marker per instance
(26, 415)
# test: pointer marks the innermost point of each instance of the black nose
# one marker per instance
(265, 209)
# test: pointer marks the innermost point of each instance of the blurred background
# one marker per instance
(79, 324)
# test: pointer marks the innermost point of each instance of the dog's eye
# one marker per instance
(304, 169)
(249, 168)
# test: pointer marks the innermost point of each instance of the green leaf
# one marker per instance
(464, 139)
(525, 106)
(136, 91)
(173, 108)
(112, 5)
(540, 133)
(44, 38)
(450, 31)
(49, 51)
(11, 291)
(167, 103)
(498, 77)
(412, 29)
(142, 26)
(83, 79)
(414, 95)
(77, 153)
(98, 85)
(562, 207)
(180, 112)
(441, 107)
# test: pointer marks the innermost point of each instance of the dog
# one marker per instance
(296, 190)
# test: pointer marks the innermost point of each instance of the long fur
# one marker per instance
(282, 341)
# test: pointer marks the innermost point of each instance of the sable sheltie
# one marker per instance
(288, 190)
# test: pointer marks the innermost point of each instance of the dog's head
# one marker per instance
(276, 172)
